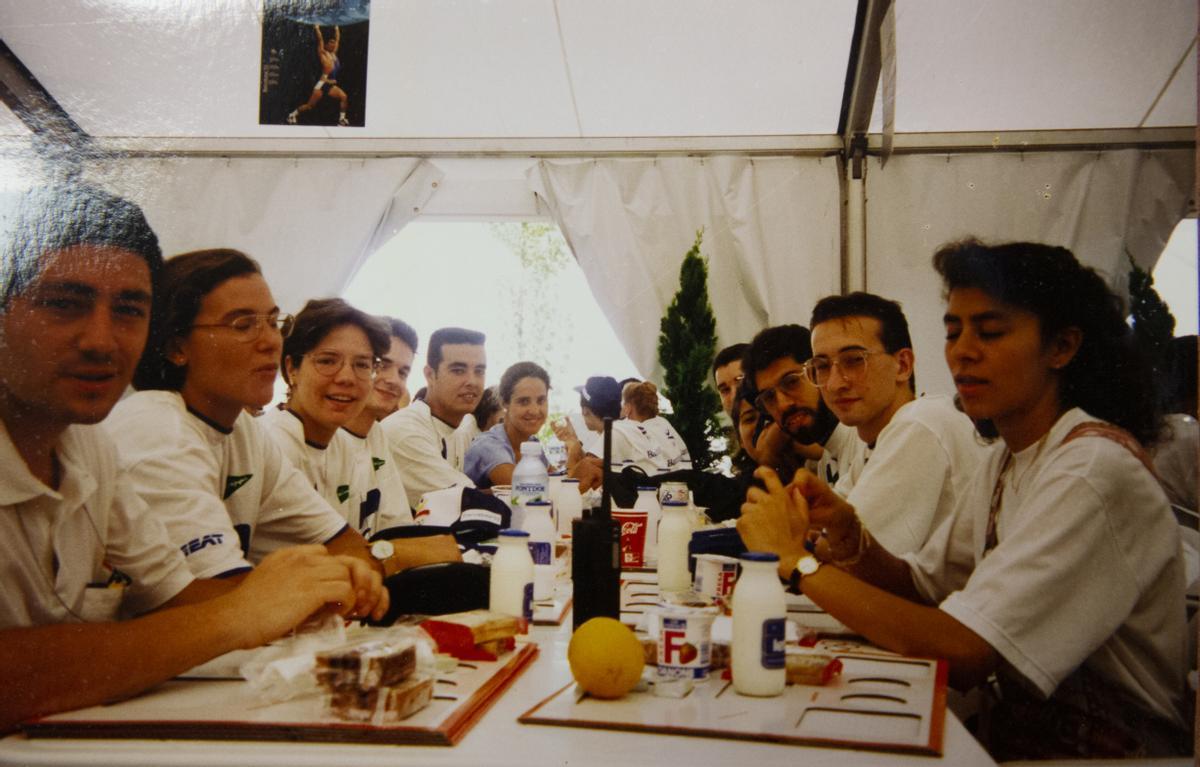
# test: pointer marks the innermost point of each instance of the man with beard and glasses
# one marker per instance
(920, 452)
(795, 428)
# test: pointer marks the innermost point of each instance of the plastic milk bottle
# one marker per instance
(758, 662)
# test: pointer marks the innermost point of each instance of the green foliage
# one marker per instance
(1153, 323)
(687, 342)
(536, 307)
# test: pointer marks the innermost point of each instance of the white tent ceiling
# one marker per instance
(622, 68)
(469, 99)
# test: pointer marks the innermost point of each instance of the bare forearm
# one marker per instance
(881, 568)
(56, 668)
(350, 543)
(903, 626)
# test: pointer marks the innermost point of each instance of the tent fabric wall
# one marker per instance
(771, 234)
(311, 223)
(1100, 205)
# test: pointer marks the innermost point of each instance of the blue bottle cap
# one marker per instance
(760, 556)
(538, 503)
(648, 488)
(511, 533)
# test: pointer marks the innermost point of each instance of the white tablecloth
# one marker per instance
(497, 739)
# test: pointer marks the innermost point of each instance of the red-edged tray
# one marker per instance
(228, 710)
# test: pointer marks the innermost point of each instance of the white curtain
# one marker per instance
(311, 223)
(771, 233)
(1100, 205)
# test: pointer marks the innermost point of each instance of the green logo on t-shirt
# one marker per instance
(377, 462)
(233, 482)
(343, 492)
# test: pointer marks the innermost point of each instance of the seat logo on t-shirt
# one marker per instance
(343, 492)
(377, 463)
(233, 482)
(195, 544)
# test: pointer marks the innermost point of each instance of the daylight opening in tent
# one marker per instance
(516, 281)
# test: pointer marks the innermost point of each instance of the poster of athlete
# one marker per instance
(314, 62)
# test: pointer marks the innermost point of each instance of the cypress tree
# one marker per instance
(687, 341)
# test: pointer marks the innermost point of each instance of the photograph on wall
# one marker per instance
(314, 62)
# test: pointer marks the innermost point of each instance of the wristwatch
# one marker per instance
(806, 565)
(383, 551)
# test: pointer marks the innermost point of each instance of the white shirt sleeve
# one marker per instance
(179, 479)
(900, 489)
(416, 450)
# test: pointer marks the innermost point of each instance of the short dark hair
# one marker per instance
(319, 317)
(186, 279)
(489, 405)
(443, 336)
(893, 327)
(775, 343)
(517, 371)
(1109, 376)
(402, 330)
(727, 355)
(47, 219)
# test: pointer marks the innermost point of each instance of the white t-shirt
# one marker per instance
(94, 527)
(1088, 568)
(922, 462)
(428, 451)
(376, 485)
(654, 445)
(842, 449)
(227, 498)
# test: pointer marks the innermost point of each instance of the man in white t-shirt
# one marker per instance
(78, 547)
(802, 432)
(365, 435)
(429, 439)
(921, 453)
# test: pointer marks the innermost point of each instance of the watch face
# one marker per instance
(808, 565)
(382, 549)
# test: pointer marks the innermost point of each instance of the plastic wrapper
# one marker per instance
(374, 663)
(284, 670)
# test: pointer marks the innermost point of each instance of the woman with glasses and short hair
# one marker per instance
(329, 364)
(205, 467)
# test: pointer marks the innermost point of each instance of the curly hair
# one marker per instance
(1109, 375)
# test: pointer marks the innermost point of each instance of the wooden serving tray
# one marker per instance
(880, 702)
(193, 709)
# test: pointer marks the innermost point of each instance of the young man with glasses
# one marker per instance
(80, 549)
(799, 430)
(429, 439)
(920, 453)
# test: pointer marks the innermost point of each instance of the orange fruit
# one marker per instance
(605, 657)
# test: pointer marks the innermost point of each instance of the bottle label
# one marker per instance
(524, 492)
(527, 602)
(542, 552)
(773, 643)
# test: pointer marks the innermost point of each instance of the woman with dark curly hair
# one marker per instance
(1058, 583)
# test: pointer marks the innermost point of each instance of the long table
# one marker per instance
(498, 739)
